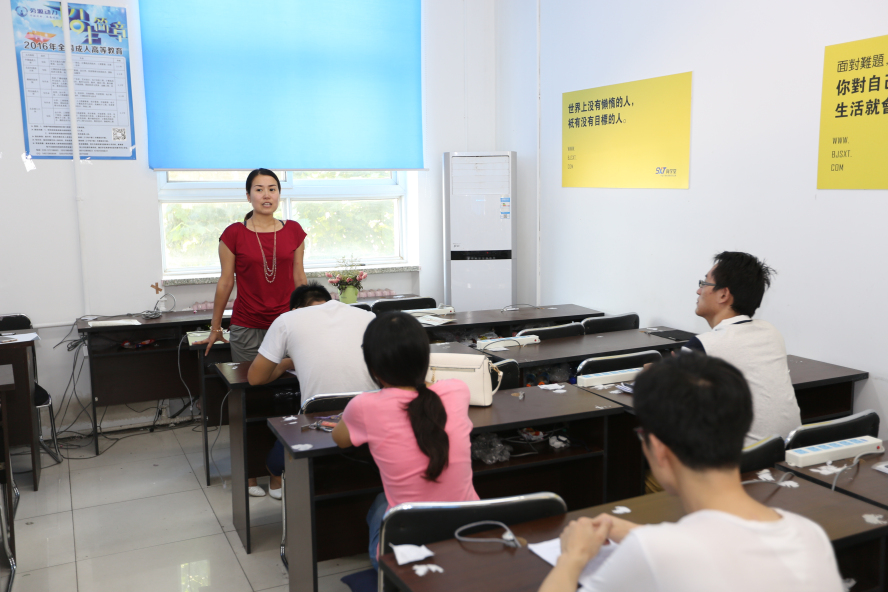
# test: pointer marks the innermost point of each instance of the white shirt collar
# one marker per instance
(731, 321)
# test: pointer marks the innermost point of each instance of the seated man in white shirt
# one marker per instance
(694, 411)
(320, 339)
(727, 299)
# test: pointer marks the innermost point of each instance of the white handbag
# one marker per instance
(469, 368)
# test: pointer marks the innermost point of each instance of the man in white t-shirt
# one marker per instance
(727, 299)
(320, 339)
(694, 411)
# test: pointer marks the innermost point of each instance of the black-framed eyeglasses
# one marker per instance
(704, 283)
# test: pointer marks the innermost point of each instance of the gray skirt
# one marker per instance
(245, 343)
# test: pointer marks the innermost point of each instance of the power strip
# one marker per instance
(841, 449)
(508, 341)
(608, 377)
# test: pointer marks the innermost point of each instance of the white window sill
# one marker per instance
(212, 278)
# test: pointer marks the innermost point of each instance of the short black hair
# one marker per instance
(745, 276)
(307, 294)
(698, 406)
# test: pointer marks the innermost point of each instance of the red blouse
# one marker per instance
(259, 302)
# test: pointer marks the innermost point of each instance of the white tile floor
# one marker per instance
(140, 518)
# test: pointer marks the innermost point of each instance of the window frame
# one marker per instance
(172, 192)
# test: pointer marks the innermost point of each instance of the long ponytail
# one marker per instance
(428, 418)
(396, 350)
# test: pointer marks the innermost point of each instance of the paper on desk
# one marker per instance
(882, 467)
(410, 553)
(114, 323)
(227, 312)
(433, 321)
(21, 337)
(551, 387)
(500, 348)
(424, 568)
(550, 551)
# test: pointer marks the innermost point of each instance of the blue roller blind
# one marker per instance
(283, 84)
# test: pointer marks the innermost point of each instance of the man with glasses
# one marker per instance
(694, 412)
(727, 299)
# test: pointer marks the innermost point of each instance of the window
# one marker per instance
(345, 213)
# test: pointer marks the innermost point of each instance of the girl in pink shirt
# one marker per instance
(418, 434)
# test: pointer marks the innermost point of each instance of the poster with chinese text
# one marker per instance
(102, 88)
(631, 135)
(853, 150)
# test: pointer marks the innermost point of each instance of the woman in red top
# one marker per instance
(266, 255)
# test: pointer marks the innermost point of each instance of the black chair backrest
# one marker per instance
(330, 402)
(621, 362)
(14, 322)
(391, 304)
(511, 374)
(429, 522)
(568, 330)
(621, 322)
(764, 454)
(361, 305)
(865, 423)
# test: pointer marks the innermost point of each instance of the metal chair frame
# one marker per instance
(801, 430)
(494, 505)
(638, 356)
(541, 331)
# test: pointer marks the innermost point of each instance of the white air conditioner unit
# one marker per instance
(480, 265)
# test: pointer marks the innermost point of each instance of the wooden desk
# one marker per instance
(491, 567)
(861, 482)
(578, 348)
(18, 410)
(7, 389)
(824, 391)
(249, 407)
(332, 488)
(120, 376)
(211, 392)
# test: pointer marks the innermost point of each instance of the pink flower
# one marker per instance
(334, 281)
(349, 280)
(329, 275)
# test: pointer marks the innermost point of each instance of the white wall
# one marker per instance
(516, 125)
(757, 70)
(40, 271)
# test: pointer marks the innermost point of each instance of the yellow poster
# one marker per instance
(853, 152)
(634, 134)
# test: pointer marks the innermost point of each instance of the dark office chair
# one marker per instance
(764, 454)
(5, 516)
(865, 423)
(361, 305)
(331, 402)
(544, 333)
(511, 374)
(621, 362)
(42, 399)
(622, 322)
(428, 522)
(394, 304)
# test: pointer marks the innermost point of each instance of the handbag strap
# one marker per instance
(500, 381)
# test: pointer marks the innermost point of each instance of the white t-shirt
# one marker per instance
(756, 348)
(711, 550)
(324, 342)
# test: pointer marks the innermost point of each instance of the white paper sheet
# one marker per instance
(550, 551)
(21, 337)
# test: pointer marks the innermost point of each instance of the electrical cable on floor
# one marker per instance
(219, 431)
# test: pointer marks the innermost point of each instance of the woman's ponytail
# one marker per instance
(396, 351)
(248, 216)
(428, 418)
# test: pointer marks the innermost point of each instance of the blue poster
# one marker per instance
(102, 87)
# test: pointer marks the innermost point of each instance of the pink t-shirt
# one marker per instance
(380, 420)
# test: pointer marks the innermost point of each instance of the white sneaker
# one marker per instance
(256, 491)
(274, 493)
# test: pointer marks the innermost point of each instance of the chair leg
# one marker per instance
(284, 520)
(57, 454)
(4, 534)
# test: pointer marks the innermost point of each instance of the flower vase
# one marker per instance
(348, 295)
